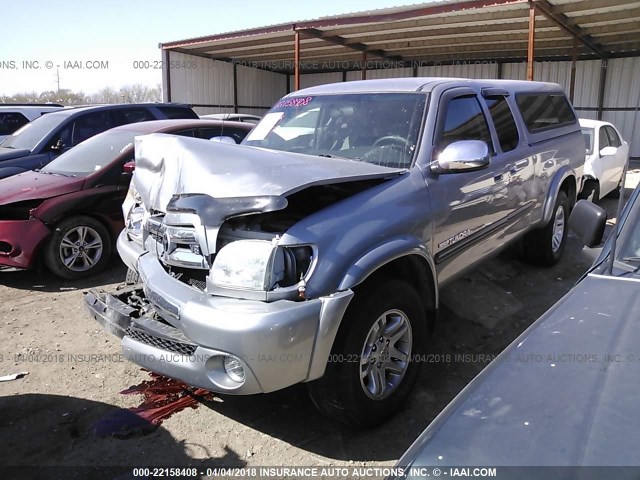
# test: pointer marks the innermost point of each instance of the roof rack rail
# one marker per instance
(30, 105)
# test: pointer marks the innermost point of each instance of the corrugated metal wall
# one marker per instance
(206, 82)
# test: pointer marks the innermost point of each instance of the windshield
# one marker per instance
(93, 154)
(34, 132)
(380, 128)
(588, 135)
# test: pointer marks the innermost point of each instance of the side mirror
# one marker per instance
(223, 139)
(462, 156)
(56, 147)
(608, 151)
(588, 220)
(129, 167)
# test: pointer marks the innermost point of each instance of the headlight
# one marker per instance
(245, 264)
(134, 223)
(134, 214)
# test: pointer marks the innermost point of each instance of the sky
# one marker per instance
(97, 44)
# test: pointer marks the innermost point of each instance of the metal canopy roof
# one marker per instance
(443, 32)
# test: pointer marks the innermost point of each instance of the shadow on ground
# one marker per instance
(69, 447)
(41, 279)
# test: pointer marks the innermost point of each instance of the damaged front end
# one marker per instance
(21, 235)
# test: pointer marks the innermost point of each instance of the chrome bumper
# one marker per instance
(279, 343)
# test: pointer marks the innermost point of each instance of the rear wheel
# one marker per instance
(545, 246)
(79, 246)
(373, 362)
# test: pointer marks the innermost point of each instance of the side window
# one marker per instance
(235, 133)
(504, 122)
(614, 139)
(184, 133)
(87, 126)
(464, 120)
(603, 140)
(11, 121)
(125, 116)
(542, 111)
(177, 112)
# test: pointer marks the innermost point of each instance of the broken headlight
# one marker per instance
(134, 214)
(259, 265)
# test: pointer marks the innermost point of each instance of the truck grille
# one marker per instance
(162, 343)
(177, 246)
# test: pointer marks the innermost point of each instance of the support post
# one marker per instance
(603, 81)
(364, 65)
(574, 59)
(235, 88)
(296, 61)
(531, 45)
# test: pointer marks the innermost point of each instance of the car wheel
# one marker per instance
(591, 191)
(373, 363)
(132, 277)
(79, 247)
(545, 246)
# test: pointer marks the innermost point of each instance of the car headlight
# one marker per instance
(245, 264)
(134, 214)
(134, 223)
(260, 265)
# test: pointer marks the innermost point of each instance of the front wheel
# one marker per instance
(546, 245)
(79, 246)
(375, 358)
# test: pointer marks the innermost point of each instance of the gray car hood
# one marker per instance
(563, 394)
(167, 165)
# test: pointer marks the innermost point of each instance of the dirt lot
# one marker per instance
(46, 417)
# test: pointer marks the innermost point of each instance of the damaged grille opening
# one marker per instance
(193, 277)
(18, 210)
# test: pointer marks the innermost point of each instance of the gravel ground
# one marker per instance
(46, 416)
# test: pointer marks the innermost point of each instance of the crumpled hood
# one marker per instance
(167, 165)
(11, 153)
(35, 186)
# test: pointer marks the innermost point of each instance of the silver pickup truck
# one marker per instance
(314, 251)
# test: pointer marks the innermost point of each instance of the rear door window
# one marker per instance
(125, 116)
(504, 122)
(11, 121)
(543, 111)
(177, 112)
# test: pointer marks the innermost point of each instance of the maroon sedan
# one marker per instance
(69, 212)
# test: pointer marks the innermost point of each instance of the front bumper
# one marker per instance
(129, 251)
(278, 344)
(20, 241)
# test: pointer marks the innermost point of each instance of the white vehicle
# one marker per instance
(607, 154)
(14, 116)
(234, 117)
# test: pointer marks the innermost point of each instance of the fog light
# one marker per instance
(234, 369)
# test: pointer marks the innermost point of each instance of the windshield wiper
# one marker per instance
(631, 259)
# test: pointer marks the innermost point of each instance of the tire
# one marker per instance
(539, 245)
(341, 393)
(591, 191)
(132, 277)
(87, 259)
